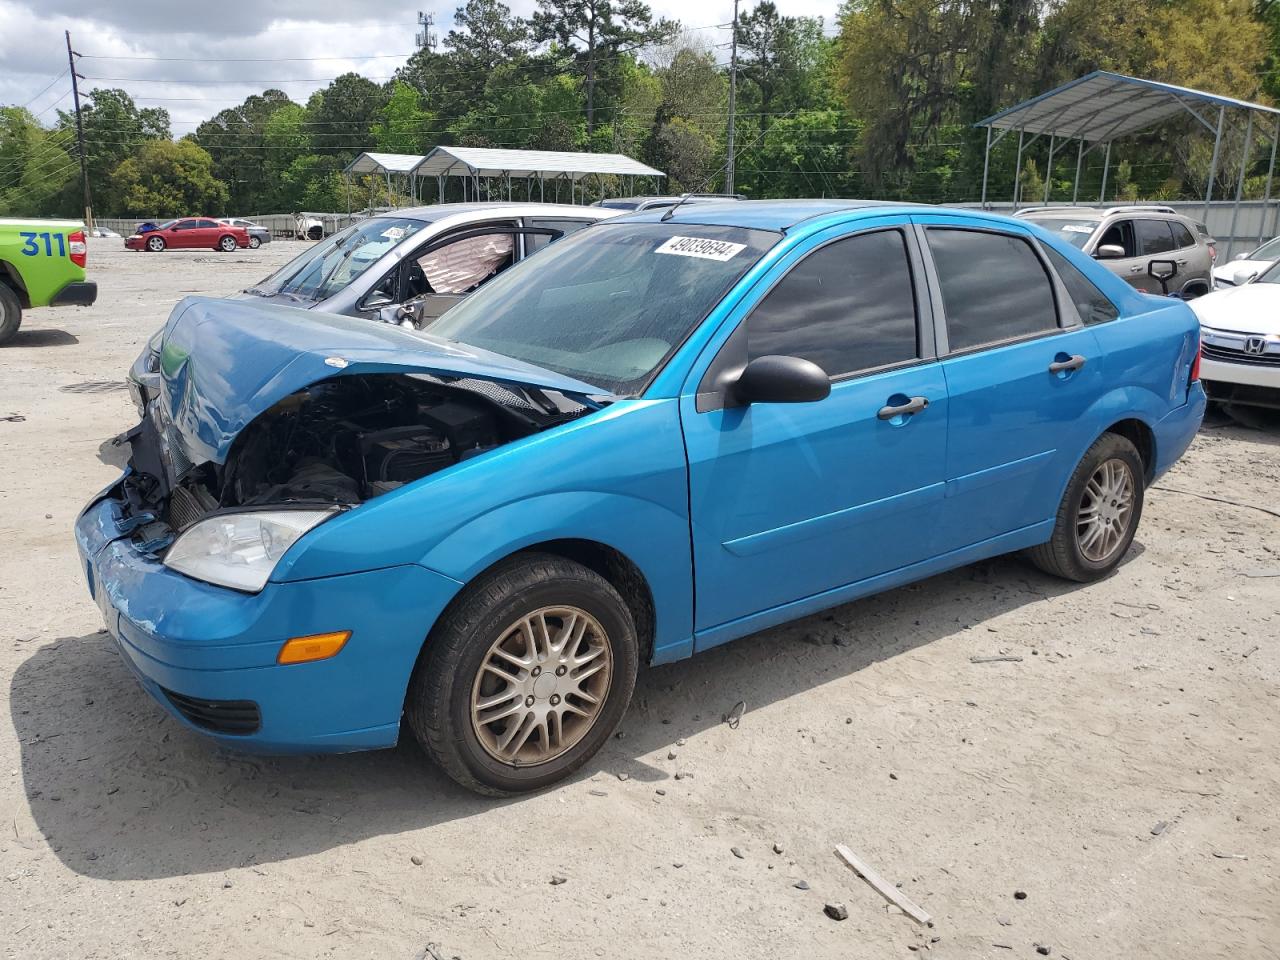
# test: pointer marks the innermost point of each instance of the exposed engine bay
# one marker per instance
(340, 441)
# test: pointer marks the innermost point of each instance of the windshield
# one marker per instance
(608, 304)
(332, 264)
(1075, 232)
(1270, 275)
(1268, 251)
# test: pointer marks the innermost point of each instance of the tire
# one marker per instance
(1069, 553)
(10, 313)
(227, 244)
(254, 243)
(155, 244)
(451, 674)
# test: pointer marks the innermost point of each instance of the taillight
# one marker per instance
(1195, 364)
(77, 249)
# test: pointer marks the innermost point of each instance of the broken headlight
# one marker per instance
(240, 550)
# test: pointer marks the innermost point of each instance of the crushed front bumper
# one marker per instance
(207, 654)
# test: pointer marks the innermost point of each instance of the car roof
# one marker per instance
(438, 211)
(774, 214)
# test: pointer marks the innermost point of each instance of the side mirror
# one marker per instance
(775, 379)
(1110, 251)
(1246, 276)
(376, 301)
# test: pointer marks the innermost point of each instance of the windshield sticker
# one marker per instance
(701, 248)
(394, 233)
(1077, 228)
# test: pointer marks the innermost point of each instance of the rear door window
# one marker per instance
(849, 306)
(533, 242)
(994, 287)
(1154, 237)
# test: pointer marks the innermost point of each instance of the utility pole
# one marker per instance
(84, 167)
(733, 99)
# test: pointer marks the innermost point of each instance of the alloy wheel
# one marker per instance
(541, 686)
(1106, 510)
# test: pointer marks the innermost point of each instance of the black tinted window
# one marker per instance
(1092, 303)
(536, 241)
(1182, 236)
(993, 287)
(1154, 237)
(848, 306)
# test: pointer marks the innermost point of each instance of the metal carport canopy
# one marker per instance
(398, 163)
(1101, 107)
(485, 162)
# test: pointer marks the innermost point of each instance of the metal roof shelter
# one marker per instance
(386, 164)
(474, 163)
(1101, 107)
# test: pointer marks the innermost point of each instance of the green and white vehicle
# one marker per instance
(41, 265)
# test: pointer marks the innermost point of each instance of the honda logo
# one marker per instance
(1255, 344)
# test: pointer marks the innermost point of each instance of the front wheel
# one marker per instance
(227, 244)
(1099, 513)
(254, 243)
(155, 244)
(10, 313)
(525, 677)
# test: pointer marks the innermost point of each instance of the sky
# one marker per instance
(123, 43)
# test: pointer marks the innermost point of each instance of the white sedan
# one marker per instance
(1237, 271)
(1240, 342)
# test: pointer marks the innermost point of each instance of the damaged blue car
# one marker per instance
(661, 433)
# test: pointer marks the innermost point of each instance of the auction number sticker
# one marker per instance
(701, 248)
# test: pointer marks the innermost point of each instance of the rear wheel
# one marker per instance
(1099, 513)
(10, 313)
(227, 244)
(155, 244)
(525, 677)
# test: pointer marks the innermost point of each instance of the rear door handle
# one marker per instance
(914, 405)
(1075, 363)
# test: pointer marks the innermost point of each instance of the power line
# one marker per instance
(47, 88)
(370, 56)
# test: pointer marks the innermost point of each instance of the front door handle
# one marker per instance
(1136, 268)
(1074, 363)
(914, 405)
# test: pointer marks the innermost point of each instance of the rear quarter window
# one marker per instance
(1092, 304)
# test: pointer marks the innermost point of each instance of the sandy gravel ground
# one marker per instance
(1151, 699)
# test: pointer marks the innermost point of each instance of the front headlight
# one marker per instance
(240, 550)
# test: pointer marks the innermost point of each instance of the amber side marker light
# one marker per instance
(318, 646)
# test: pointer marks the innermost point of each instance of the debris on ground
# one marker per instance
(1019, 894)
(737, 852)
(801, 885)
(734, 716)
(836, 911)
(416, 860)
(883, 887)
(556, 880)
(1159, 828)
(1001, 659)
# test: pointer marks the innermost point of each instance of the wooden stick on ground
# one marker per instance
(883, 887)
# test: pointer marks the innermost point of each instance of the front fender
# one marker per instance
(652, 537)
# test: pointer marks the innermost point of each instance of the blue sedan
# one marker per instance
(659, 434)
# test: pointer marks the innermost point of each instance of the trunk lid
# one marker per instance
(225, 362)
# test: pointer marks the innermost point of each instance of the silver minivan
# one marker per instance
(1126, 239)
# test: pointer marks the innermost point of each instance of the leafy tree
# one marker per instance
(601, 31)
(37, 171)
(236, 140)
(403, 125)
(168, 179)
(342, 116)
(114, 128)
(490, 36)
(779, 59)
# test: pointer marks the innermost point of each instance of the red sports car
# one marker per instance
(187, 233)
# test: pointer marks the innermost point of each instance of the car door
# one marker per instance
(1022, 373)
(179, 235)
(1132, 267)
(1155, 242)
(1193, 259)
(789, 500)
(206, 234)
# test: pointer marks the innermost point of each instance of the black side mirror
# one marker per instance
(775, 379)
(1162, 271)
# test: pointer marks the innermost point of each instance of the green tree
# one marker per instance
(167, 179)
(489, 37)
(236, 140)
(341, 117)
(114, 127)
(403, 126)
(601, 31)
(37, 170)
(780, 59)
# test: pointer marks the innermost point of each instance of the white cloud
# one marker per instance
(33, 49)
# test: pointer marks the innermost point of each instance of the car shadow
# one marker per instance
(121, 791)
(43, 338)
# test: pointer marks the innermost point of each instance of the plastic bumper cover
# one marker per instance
(181, 636)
